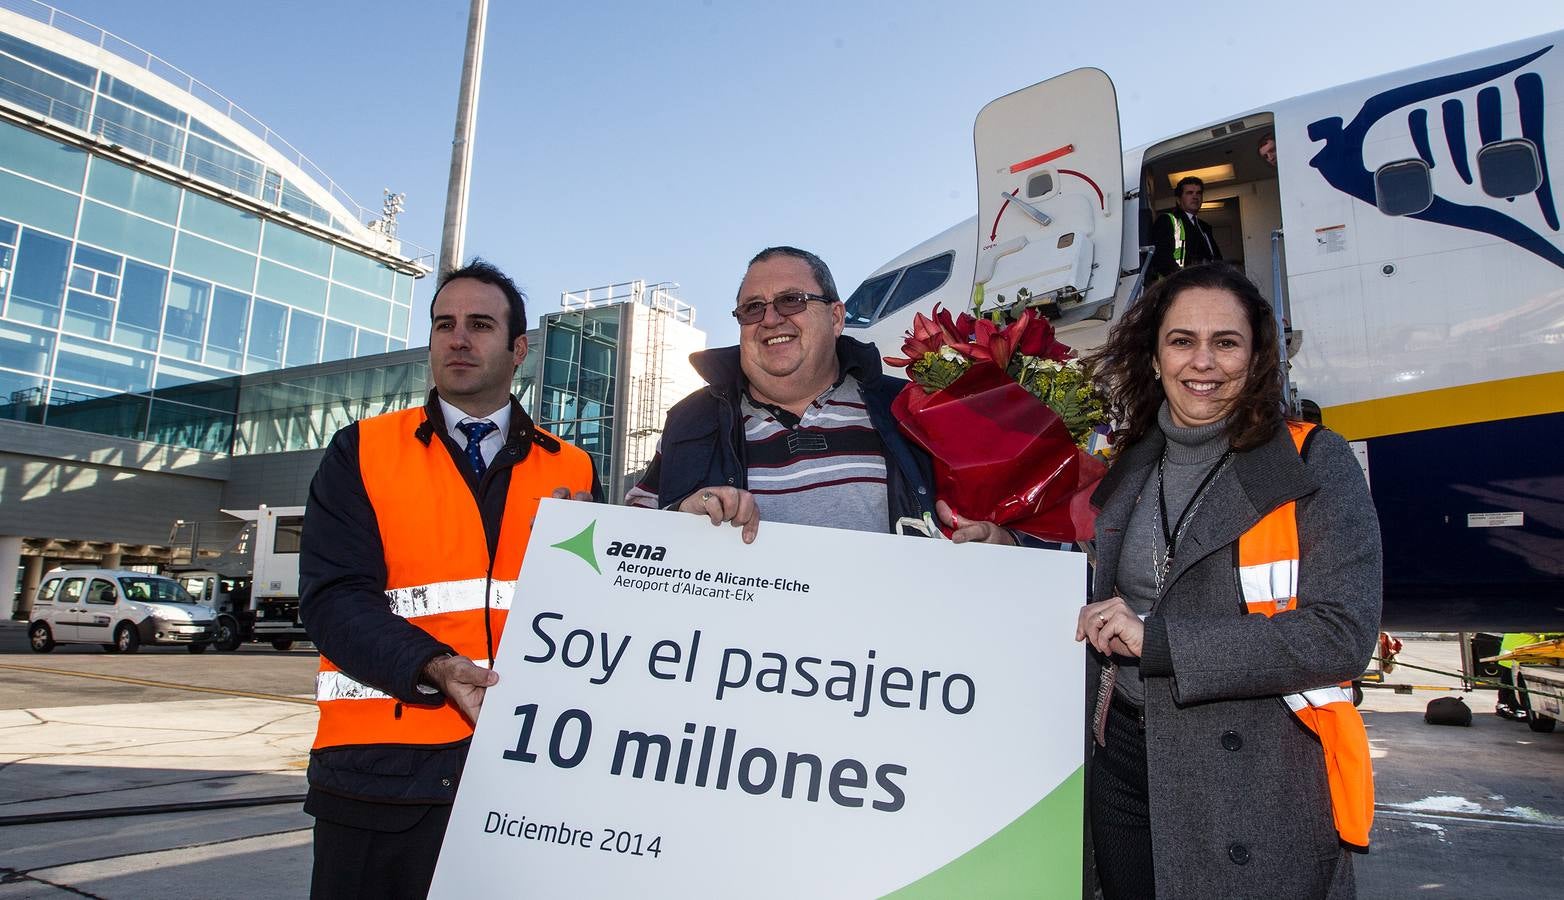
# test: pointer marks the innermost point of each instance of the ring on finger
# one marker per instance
(1101, 619)
(705, 495)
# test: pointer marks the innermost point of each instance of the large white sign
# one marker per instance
(822, 713)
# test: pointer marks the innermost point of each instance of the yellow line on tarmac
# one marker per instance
(143, 682)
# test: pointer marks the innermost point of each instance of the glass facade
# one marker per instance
(300, 409)
(189, 406)
(165, 277)
(579, 375)
(567, 384)
(121, 289)
(77, 94)
(576, 382)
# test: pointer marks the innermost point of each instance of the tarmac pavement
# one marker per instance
(193, 734)
(1474, 812)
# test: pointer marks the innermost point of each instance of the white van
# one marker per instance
(117, 609)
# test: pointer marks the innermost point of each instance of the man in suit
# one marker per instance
(1180, 237)
(415, 531)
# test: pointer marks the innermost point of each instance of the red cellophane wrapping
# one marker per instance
(1002, 456)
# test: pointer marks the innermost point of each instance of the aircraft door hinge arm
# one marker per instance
(1031, 211)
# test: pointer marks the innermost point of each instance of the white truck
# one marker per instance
(1539, 669)
(253, 586)
(1546, 683)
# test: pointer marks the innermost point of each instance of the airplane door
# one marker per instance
(1050, 196)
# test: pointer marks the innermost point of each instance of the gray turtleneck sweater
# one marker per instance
(1190, 455)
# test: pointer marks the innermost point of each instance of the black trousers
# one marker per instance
(1120, 820)
(1507, 695)
(352, 863)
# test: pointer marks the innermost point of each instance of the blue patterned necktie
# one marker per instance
(476, 432)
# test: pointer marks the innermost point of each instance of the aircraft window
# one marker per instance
(1509, 168)
(862, 305)
(921, 279)
(1039, 184)
(1403, 188)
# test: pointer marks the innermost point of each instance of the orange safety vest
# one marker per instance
(437, 565)
(1268, 576)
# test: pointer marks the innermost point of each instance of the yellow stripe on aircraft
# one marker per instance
(1491, 401)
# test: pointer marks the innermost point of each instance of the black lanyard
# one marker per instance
(1170, 538)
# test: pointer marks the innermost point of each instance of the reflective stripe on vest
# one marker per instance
(416, 602)
(1268, 561)
(1178, 239)
(1318, 697)
(336, 685)
(1268, 577)
(449, 596)
(437, 563)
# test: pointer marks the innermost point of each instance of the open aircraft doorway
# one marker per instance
(1242, 201)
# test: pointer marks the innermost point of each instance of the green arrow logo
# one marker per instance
(581, 545)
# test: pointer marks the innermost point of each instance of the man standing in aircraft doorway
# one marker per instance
(1180, 236)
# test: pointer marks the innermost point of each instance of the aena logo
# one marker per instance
(637, 551)
(582, 546)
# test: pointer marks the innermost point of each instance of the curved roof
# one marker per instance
(91, 81)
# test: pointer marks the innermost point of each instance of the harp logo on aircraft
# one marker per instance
(1457, 202)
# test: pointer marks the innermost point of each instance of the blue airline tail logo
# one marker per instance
(1341, 161)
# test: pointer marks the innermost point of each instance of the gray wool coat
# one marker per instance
(1253, 821)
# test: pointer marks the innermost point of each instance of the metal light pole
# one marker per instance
(453, 236)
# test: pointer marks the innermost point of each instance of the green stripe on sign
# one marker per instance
(1037, 855)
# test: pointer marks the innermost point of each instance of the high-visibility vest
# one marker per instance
(437, 566)
(1268, 576)
(1178, 239)
(1514, 639)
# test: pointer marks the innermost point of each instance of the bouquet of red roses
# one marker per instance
(1009, 416)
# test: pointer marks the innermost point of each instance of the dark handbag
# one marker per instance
(1448, 711)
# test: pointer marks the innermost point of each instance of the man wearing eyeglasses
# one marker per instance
(795, 422)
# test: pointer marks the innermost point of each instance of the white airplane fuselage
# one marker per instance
(1414, 219)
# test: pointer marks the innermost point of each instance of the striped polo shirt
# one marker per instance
(826, 467)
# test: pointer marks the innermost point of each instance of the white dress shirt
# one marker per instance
(492, 442)
(1195, 224)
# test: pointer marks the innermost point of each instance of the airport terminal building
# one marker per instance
(190, 308)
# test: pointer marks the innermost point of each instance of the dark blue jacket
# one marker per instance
(703, 440)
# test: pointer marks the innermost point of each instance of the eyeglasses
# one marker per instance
(789, 304)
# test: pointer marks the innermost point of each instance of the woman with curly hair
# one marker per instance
(1237, 586)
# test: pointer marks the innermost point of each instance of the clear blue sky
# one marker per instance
(672, 140)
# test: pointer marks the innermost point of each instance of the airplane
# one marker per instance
(1408, 236)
